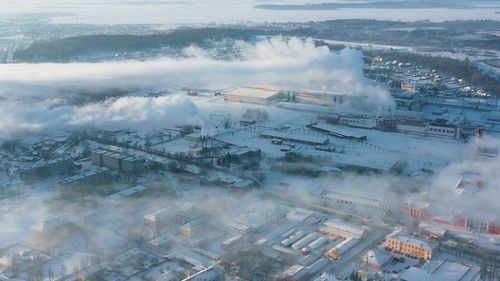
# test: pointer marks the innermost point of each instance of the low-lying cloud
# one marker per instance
(135, 111)
(287, 63)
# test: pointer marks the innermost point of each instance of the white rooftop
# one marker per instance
(413, 240)
(345, 227)
(253, 92)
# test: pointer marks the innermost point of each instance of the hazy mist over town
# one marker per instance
(321, 140)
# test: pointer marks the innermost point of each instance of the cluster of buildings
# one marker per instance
(418, 89)
(415, 114)
(46, 169)
(117, 161)
(415, 79)
(316, 241)
(457, 215)
(404, 256)
(446, 126)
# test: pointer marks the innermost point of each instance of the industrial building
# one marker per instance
(301, 243)
(350, 200)
(337, 132)
(335, 228)
(257, 95)
(317, 98)
(244, 155)
(293, 237)
(358, 121)
(442, 271)
(442, 130)
(342, 248)
(428, 129)
(256, 220)
(410, 245)
(318, 243)
(411, 127)
(408, 122)
(310, 138)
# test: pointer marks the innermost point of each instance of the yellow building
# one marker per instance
(410, 245)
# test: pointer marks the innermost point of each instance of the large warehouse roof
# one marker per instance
(254, 92)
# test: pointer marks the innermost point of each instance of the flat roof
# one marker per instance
(345, 227)
(339, 131)
(453, 271)
(297, 137)
(257, 218)
(417, 274)
(442, 271)
(253, 92)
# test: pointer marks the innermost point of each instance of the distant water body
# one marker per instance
(372, 5)
(196, 13)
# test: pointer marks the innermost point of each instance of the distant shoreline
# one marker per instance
(371, 5)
